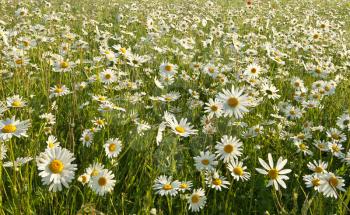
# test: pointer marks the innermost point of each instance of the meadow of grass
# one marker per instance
(92, 93)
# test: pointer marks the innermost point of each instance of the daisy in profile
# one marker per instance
(108, 76)
(87, 137)
(84, 178)
(330, 183)
(20, 161)
(15, 102)
(205, 161)
(185, 185)
(235, 102)
(238, 170)
(182, 128)
(313, 181)
(12, 127)
(3, 150)
(216, 181)
(213, 108)
(319, 167)
(58, 90)
(56, 168)
(164, 186)
(276, 173)
(343, 122)
(102, 183)
(113, 147)
(197, 200)
(229, 148)
(167, 69)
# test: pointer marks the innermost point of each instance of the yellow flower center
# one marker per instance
(64, 65)
(302, 146)
(180, 129)
(335, 136)
(84, 179)
(217, 181)
(205, 162)
(56, 166)
(122, 50)
(112, 147)
(168, 68)
(19, 61)
(102, 181)
(167, 187)
(238, 171)
(232, 102)
(58, 90)
(16, 104)
(10, 128)
(211, 70)
(253, 70)
(108, 76)
(94, 172)
(333, 181)
(87, 138)
(183, 186)
(214, 108)
(273, 173)
(318, 169)
(51, 145)
(195, 198)
(335, 148)
(228, 148)
(25, 43)
(316, 182)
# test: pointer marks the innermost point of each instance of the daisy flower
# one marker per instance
(330, 183)
(166, 186)
(94, 169)
(229, 148)
(253, 70)
(113, 147)
(276, 173)
(237, 170)
(18, 162)
(313, 181)
(12, 127)
(15, 102)
(185, 185)
(216, 181)
(84, 178)
(56, 168)
(99, 122)
(205, 161)
(167, 69)
(102, 183)
(3, 150)
(343, 122)
(270, 91)
(197, 200)
(52, 142)
(213, 108)
(318, 167)
(211, 70)
(182, 128)
(235, 102)
(58, 90)
(108, 76)
(87, 137)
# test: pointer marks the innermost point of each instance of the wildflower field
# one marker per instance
(175, 107)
